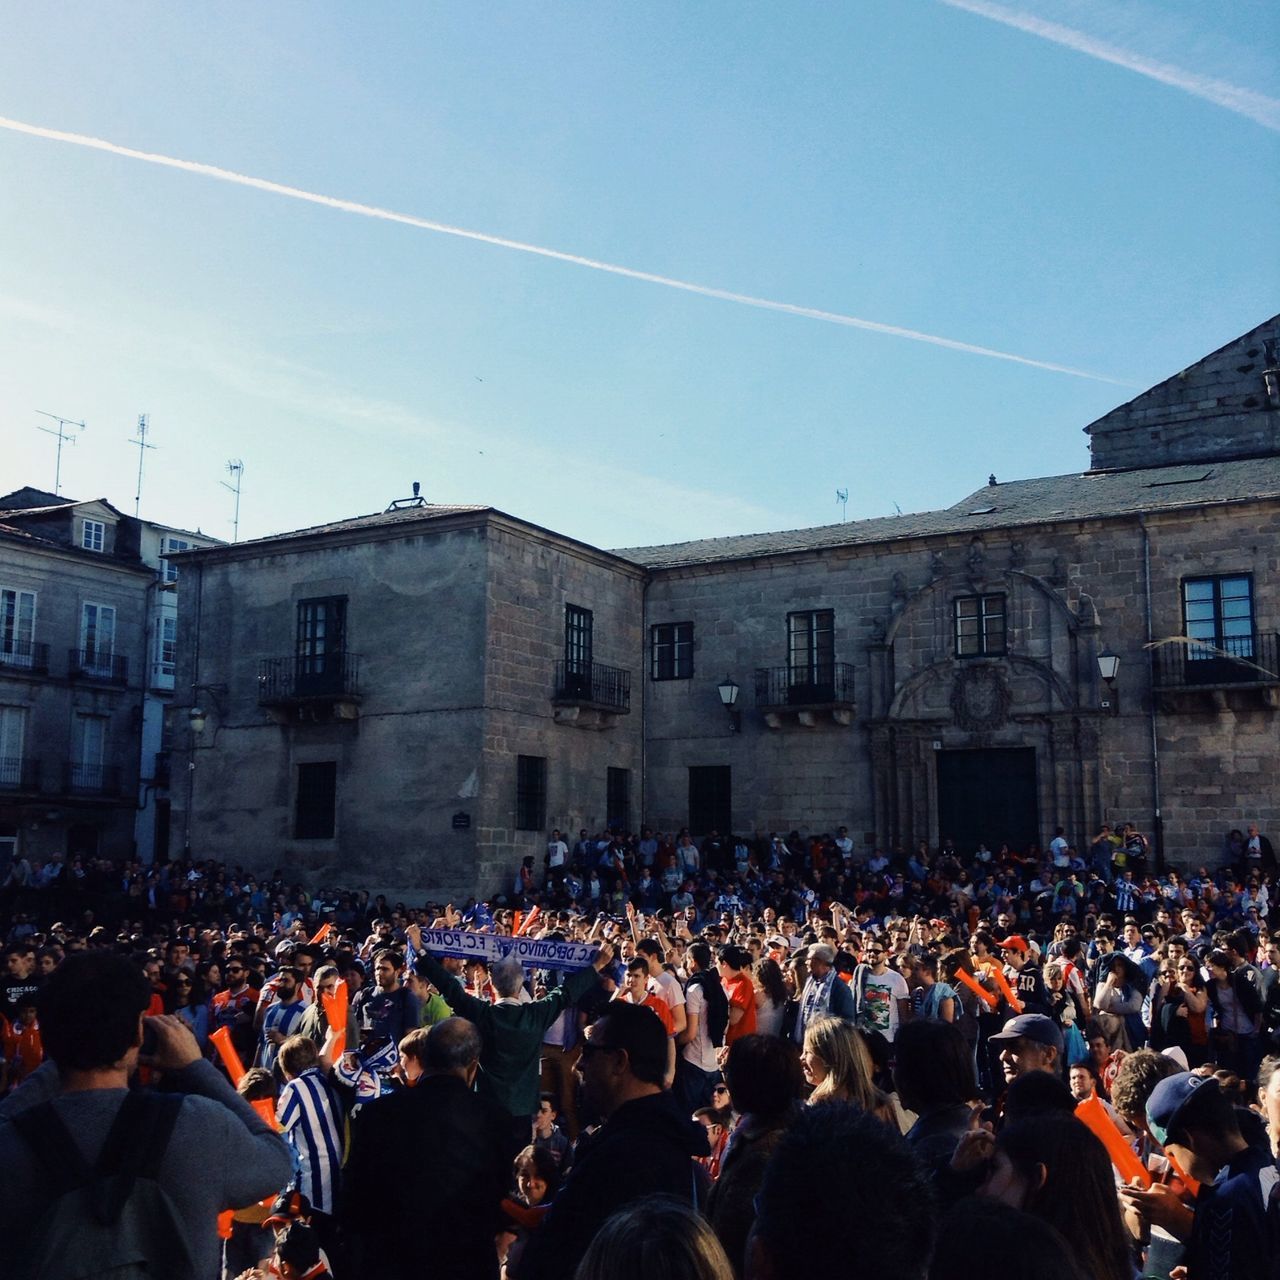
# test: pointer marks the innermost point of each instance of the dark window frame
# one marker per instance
(579, 638)
(315, 812)
(617, 804)
(316, 649)
(531, 793)
(816, 664)
(671, 651)
(1239, 646)
(984, 647)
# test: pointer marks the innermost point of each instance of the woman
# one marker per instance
(937, 999)
(934, 1076)
(771, 997)
(1235, 1029)
(1179, 1002)
(191, 1004)
(836, 1063)
(656, 1238)
(1117, 1003)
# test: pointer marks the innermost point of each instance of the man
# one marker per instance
(428, 1169)
(646, 1145)
(281, 1019)
(547, 1134)
(706, 1023)
(1029, 1042)
(511, 1030)
(386, 1010)
(91, 1020)
(740, 992)
(234, 1007)
(556, 858)
(661, 983)
(1258, 853)
(636, 991)
(21, 979)
(832, 1157)
(1023, 975)
(880, 994)
(1235, 1233)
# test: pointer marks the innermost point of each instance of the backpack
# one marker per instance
(113, 1221)
(717, 1006)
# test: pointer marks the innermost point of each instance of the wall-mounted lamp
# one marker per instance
(728, 690)
(198, 716)
(1108, 666)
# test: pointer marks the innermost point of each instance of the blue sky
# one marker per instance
(1087, 183)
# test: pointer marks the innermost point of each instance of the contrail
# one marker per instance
(426, 224)
(1257, 107)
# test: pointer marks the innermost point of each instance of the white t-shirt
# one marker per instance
(699, 1052)
(668, 988)
(881, 993)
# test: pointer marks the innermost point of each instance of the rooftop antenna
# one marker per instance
(64, 437)
(235, 469)
(842, 497)
(401, 504)
(143, 446)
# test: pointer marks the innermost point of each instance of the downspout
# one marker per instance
(195, 682)
(644, 700)
(1157, 828)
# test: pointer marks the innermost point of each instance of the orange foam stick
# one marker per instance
(1192, 1186)
(528, 922)
(224, 1225)
(977, 989)
(322, 933)
(515, 924)
(335, 1010)
(266, 1108)
(221, 1040)
(1006, 990)
(1093, 1114)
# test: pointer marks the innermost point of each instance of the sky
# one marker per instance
(637, 273)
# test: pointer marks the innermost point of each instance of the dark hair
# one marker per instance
(638, 1030)
(837, 1164)
(764, 1076)
(452, 1045)
(933, 1066)
(1078, 1195)
(650, 947)
(89, 1010)
(637, 964)
(386, 953)
(542, 1164)
(733, 956)
(980, 1228)
(770, 975)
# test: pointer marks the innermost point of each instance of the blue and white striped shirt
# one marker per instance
(283, 1018)
(312, 1125)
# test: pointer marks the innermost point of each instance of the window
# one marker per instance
(710, 798)
(166, 644)
(980, 626)
(321, 644)
(811, 639)
(531, 793)
(17, 627)
(618, 799)
(578, 625)
(1219, 613)
(13, 724)
(97, 637)
(169, 572)
(89, 753)
(317, 801)
(93, 535)
(672, 645)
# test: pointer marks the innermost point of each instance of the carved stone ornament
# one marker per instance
(1017, 555)
(937, 566)
(980, 698)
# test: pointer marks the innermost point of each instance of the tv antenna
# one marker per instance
(235, 469)
(842, 497)
(64, 437)
(143, 446)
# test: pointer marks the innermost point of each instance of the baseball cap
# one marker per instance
(1031, 1026)
(1169, 1100)
(288, 1206)
(1015, 942)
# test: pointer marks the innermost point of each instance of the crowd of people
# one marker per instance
(770, 1055)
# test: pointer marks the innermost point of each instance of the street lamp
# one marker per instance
(198, 717)
(1108, 666)
(728, 690)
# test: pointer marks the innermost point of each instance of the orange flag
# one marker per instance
(1093, 1114)
(335, 1010)
(221, 1040)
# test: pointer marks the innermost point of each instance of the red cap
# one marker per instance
(1015, 942)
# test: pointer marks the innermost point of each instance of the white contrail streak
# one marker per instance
(426, 224)
(1257, 107)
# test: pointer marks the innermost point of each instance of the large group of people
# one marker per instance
(768, 1056)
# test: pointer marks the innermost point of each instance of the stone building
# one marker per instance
(414, 698)
(88, 632)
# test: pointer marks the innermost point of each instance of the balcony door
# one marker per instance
(17, 627)
(321, 644)
(1218, 614)
(578, 625)
(89, 753)
(13, 724)
(97, 638)
(811, 656)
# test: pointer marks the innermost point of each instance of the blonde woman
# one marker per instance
(836, 1062)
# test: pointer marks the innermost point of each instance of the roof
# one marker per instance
(1051, 499)
(379, 519)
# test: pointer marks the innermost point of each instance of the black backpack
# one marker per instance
(717, 1006)
(113, 1221)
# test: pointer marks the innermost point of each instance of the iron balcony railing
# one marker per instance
(330, 675)
(1251, 659)
(91, 779)
(804, 686)
(594, 683)
(26, 655)
(93, 664)
(19, 774)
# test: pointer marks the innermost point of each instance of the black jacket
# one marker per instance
(645, 1148)
(424, 1180)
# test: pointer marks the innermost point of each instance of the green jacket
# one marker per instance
(511, 1033)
